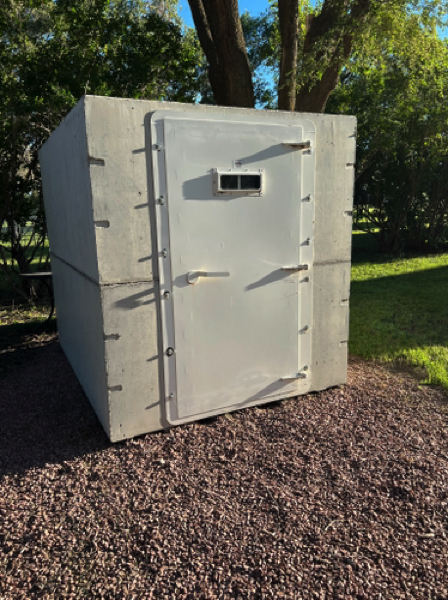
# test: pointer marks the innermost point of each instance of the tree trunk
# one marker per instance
(221, 36)
(328, 43)
(288, 15)
(315, 97)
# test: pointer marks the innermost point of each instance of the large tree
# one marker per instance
(397, 88)
(314, 44)
(51, 53)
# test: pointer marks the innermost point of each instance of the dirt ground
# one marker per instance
(339, 494)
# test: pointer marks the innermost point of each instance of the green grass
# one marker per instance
(7, 295)
(399, 310)
(29, 251)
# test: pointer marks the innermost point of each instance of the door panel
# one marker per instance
(235, 322)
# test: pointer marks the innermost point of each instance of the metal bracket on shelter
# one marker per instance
(193, 276)
(298, 145)
(301, 375)
(295, 268)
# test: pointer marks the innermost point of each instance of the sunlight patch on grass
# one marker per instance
(40, 257)
(434, 359)
(399, 310)
(20, 316)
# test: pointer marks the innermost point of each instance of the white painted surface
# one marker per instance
(237, 338)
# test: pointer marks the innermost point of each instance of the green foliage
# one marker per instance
(51, 53)
(396, 87)
(398, 311)
(263, 49)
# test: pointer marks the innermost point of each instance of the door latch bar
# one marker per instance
(295, 268)
(298, 145)
(295, 376)
(193, 276)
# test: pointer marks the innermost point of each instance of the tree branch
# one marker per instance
(288, 15)
(329, 42)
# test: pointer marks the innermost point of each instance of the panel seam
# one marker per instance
(97, 282)
(324, 263)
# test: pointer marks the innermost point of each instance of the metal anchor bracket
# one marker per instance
(301, 375)
(298, 145)
(295, 268)
(193, 276)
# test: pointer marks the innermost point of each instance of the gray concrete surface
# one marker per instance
(80, 323)
(68, 195)
(97, 182)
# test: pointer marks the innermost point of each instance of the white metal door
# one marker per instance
(235, 240)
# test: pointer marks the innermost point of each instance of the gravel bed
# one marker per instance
(340, 494)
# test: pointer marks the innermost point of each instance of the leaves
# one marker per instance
(396, 86)
(52, 53)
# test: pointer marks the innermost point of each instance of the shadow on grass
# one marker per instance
(392, 314)
(19, 334)
(45, 416)
(365, 248)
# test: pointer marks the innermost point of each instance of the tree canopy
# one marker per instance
(51, 53)
(309, 44)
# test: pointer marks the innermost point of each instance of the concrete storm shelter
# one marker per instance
(200, 255)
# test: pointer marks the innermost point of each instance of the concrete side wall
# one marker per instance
(132, 359)
(331, 289)
(80, 323)
(119, 177)
(67, 194)
(335, 160)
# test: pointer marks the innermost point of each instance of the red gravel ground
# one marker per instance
(340, 494)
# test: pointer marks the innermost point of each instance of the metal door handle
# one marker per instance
(193, 276)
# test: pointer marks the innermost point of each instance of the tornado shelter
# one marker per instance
(200, 256)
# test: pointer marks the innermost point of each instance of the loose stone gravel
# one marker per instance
(340, 494)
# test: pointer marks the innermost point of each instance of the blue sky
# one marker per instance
(255, 7)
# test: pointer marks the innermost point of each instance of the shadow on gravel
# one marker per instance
(45, 416)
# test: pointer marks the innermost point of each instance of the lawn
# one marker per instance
(399, 309)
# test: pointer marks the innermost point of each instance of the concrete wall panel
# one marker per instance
(132, 359)
(67, 194)
(80, 324)
(118, 172)
(331, 291)
(335, 159)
